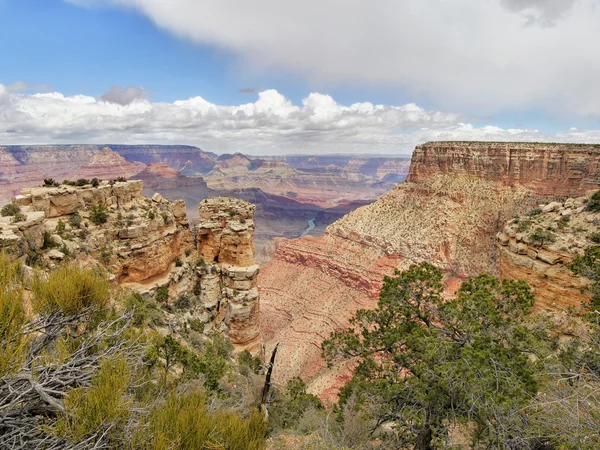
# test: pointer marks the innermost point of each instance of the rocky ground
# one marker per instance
(539, 246)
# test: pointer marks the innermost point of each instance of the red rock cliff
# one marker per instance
(546, 169)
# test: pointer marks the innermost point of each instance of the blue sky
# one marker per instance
(465, 81)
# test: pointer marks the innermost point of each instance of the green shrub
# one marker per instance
(105, 254)
(121, 179)
(99, 214)
(197, 289)
(75, 220)
(178, 262)
(69, 289)
(246, 359)
(10, 210)
(221, 344)
(49, 182)
(196, 325)
(288, 409)
(541, 237)
(151, 214)
(200, 262)
(188, 252)
(534, 212)
(595, 237)
(60, 227)
(12, 317)
(48, 241)
(183, 302)
(19, 217)
(95, 182)
(101, 406)
(82, 182)
(563, 221)
(162, 294)
(182, 422)
(594, 203)
(524, 225)
(145, 312)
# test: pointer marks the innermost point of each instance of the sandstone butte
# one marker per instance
(147, 244)
(458, 195)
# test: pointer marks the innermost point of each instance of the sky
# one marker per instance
(317, 76)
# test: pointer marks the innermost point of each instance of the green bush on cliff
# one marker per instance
(10, 210)
(99, 214)
(594, 203)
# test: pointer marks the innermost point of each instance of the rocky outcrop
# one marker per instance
(539, 247)
(546, 169)
(107, 165)
(139, 238)
(146, 245)
(228, 274)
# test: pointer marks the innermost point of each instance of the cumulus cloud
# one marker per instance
(270, 125)
(459, 54)
(123, 96)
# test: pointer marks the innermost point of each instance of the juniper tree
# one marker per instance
(426, 363)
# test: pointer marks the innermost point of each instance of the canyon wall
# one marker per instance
(545, 168)
(448, 213)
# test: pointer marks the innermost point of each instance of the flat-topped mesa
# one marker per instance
(547, 169)
(229, 274)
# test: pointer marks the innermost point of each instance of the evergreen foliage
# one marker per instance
(427, 364)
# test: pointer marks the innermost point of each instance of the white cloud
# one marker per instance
(270, 125)
(484, 55)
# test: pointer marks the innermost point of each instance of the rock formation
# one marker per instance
(457, 198)
(539, 247)
(139, 239)
(228, 274)
(546, 169)
(146, 245)
(107, 165)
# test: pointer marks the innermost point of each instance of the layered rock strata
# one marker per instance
(138, 240)
(545, 168)
(107, 165)
(539, 247)
(228, 274)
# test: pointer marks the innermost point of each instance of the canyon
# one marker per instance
(291, 193)
(456, 198)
